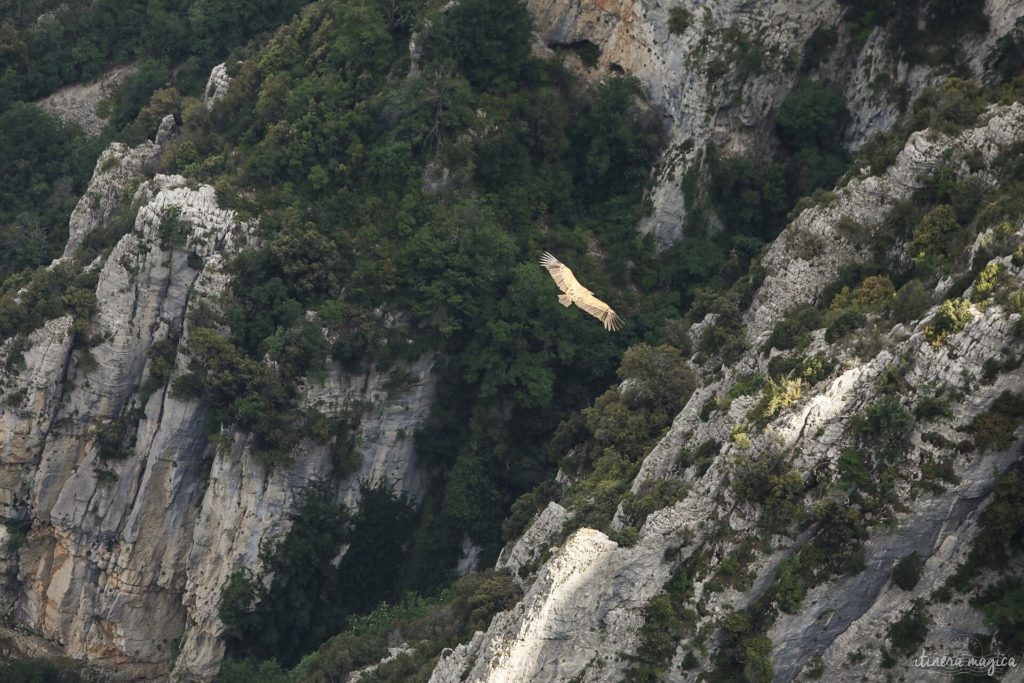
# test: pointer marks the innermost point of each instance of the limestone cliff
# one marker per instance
(582, 615)
(120, 560)
(722, 78)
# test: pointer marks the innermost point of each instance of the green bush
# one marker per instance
(700, 457)
(311, 596)
(910, 302)
(725, 337)
(666, 622)
(39, 671)
(1006, 59)
(844, 324)
(940, 235)
(811, 116)
(769, 480)
(429, 625)
(1001, 532)
(818, 47)
(794, 330)
(952, 317)
(778, 395)
(651, 497)
(995, 429)
(679, 19)
(909, 632)
(907, 572)
(751, 201)
(664, 376)
(111, 440)
(872, 295)
(810, 123)
(488, 41)
(791, 588)
(811, 369)
(744, 653)
(250, 671)
(854, 467)
(1003, 607)
(744, 386)
(45, 166)
(886, 425)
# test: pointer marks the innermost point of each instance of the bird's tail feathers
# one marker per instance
(612, 322)
(565, 300)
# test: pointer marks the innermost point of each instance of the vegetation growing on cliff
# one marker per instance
(402, 207)
(308, 595)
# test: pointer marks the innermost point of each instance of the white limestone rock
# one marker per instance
(216, 85)
(538, 537)
(116, 176)
(125, 558)
(585, 605)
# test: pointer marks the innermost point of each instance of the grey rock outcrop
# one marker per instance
(541, 535)
(691, 76)
(117, 175)
(245, 502)
(124, 558)
(216, 85)
(585, 605)
(79, 103)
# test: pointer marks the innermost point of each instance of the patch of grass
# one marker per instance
(778, 395)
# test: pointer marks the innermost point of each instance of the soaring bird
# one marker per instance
(575, 293)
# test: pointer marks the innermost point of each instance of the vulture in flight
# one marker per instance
(575, 293)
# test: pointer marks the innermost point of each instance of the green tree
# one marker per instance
(488, 41)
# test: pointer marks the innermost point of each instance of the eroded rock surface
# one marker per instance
(586, 604)
(125, 557)
(79, 103)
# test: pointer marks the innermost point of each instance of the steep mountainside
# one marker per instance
(137, 520)
(295, 403)
(798, 471)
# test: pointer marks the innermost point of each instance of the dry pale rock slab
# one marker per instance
(117, 174)
(78, 103)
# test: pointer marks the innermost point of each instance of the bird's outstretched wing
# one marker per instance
(580, 295)
(561, 274)
(600, 310)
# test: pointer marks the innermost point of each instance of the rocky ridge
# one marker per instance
(581, 616)
(124, 557)
(79, 103)
(695, 78)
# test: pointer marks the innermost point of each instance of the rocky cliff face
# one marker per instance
(79, 103)
(582, 614)
(700, 77)
(123, 557)
(121, 560)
